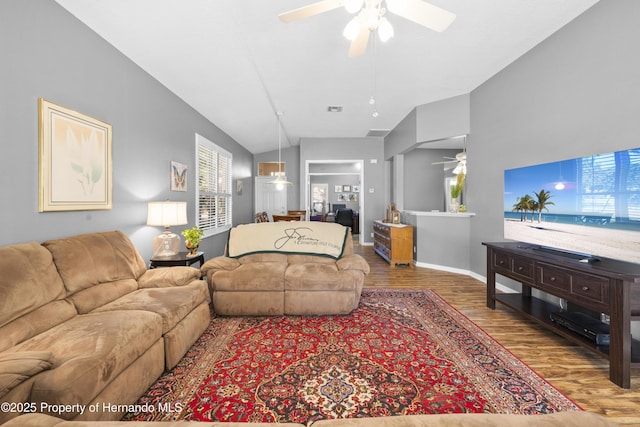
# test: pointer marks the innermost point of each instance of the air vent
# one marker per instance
(334, 109)
(378, 133)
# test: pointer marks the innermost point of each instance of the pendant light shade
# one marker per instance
(280, 181)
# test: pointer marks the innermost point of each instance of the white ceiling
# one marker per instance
(238, 65)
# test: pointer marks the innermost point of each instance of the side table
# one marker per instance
(181, 258)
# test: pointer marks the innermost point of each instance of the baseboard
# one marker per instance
(483, 279)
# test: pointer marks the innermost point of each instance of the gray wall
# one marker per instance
(443, 119)
(290, 156)
(373, 187)
(48, 53)
(429, 122)
(575, 94)
(424, 181)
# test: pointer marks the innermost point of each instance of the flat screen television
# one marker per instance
(589, 206)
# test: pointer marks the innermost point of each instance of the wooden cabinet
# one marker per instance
(606, 286)
(393, 242)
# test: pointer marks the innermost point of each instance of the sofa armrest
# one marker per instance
(15, 368)
(168, 277)
(353, 262)
(219, 263)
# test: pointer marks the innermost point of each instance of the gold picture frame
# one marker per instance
(75, 162)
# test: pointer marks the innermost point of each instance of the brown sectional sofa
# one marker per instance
(269, 281)
(83, 321)
(560, 419)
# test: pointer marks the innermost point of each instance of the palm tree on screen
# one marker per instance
(524, 204)
(542, 202)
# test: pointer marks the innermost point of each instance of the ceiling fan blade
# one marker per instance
(359, 44)
(422, 13)
(310, 10)
(445, 162)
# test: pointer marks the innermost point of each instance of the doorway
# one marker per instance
(346, 174)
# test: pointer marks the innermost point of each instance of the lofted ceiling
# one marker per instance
(238, 65)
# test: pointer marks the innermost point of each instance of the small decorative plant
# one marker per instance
(456, 189)
(192, 238)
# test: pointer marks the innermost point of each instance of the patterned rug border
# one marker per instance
(480, 330)
(510, 384)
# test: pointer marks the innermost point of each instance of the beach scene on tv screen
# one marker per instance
(589, 205)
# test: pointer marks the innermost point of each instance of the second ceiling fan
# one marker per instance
(369, 16)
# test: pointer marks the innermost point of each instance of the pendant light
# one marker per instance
(280, 182)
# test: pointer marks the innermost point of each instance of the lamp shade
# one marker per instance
(167, 213)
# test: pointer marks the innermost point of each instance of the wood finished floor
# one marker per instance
(578, 373)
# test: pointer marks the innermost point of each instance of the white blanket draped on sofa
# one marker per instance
(297, 237)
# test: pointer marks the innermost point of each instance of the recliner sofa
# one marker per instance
(283, 268)
(82, 321)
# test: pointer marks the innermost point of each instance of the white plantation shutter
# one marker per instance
(213, 194)
(609, 184)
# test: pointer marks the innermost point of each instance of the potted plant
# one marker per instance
(192, 238)
(456, 191)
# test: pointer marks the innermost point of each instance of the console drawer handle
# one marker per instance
(585, 288)
(552, 278)
(501, 262)
(520, 268)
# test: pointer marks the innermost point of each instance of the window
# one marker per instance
(610, 184)
(214, 193)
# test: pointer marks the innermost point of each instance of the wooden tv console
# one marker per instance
(600, 285)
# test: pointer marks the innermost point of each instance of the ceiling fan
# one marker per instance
(460, 159)
(369, 16)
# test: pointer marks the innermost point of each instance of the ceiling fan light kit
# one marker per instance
(369, 17)
(385, 30)
(352, 6)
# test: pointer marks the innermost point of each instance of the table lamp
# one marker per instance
(166, 214)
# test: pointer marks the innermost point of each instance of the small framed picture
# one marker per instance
(239, 185)
(342, 197)
(178, 177)
(355, 188)
(346, 188)
(337, 188)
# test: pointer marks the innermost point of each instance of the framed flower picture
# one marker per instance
(75, 160)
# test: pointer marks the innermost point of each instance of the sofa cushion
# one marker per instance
(15, 368)
(96, 296)
(88, 352)
(315, 277)
(90, 259)
(262, 257)
(165, 277)
(36, 322)
(30, 293)
(172, 304)
(28, 281)
(308, 259)
(558, 419)
(263, 276)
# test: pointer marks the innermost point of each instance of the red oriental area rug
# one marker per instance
(401, 352)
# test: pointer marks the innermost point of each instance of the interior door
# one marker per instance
(268, 198)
